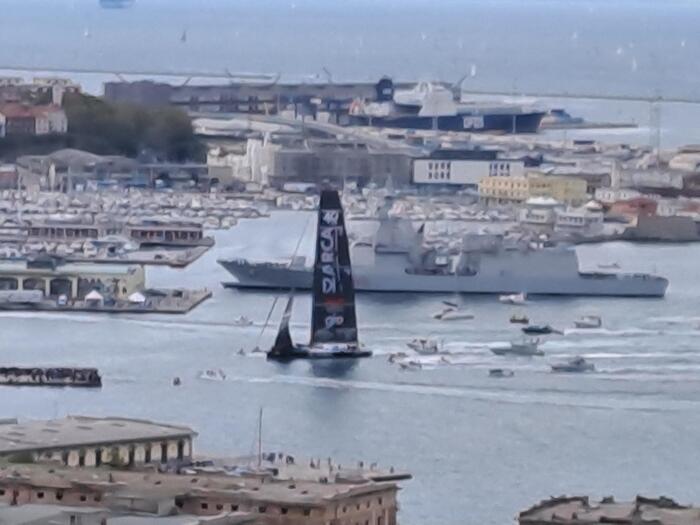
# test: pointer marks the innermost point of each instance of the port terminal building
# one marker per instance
(72, 280)
(79, 441)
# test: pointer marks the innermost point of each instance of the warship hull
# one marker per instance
(375, 279)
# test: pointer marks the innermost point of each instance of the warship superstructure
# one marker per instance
(397, 260)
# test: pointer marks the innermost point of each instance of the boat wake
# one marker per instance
(575, 399)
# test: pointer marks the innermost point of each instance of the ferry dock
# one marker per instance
(49, 284)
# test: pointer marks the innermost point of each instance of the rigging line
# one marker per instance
(277, 296)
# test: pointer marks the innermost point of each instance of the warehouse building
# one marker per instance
(78, 441)
(74, 280)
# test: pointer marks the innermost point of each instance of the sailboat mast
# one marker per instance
(260, 417)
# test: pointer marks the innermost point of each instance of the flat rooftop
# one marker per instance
(20, 267)
(578, 510)
(152, 485)
(81, 431)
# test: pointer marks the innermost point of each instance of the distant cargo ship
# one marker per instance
(434, 106)
(116, 4)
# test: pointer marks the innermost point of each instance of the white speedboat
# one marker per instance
(242, 320)
(525, 347)
(452, 312)
(424, 346)
(576, 365)
(516, 298)
(213, 375)
(589, 321)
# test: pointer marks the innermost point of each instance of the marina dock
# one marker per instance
(157, 302)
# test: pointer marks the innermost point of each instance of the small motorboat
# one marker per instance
(539, 329)
(452, 312)
(519, 319)
(576, 365)
(516, 298)
(213, 375)
(588, 321)
(526, 347)
(501, 372)
(424, 346)
(242, 320)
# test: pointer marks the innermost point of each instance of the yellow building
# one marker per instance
(502, 190)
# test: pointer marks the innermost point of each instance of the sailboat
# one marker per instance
(333, 318)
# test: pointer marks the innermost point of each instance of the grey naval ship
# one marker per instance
(397, 259)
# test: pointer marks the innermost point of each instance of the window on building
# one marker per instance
(40, 495)
(219, 506)
(262, 509)
(234, 508)
(205, 506)
(83, 498)
(59, 495)
(2, 492)
(284, 510)
(307, 512)
(97, 497)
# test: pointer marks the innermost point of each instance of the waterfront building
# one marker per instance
(505, 190)
(463, 168)
(634, 208)
(579, 510)
(266, 96)
(586, 219)
(39, 514)
(610, 195)
(74, 281)
(78, 441)
(71, 169)
(23, 119)
(340, 162)
(268, 500)
(42, 90)
(539, 212)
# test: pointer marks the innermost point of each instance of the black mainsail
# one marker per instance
(333, 318)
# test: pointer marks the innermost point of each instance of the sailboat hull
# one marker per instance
(303, 352)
